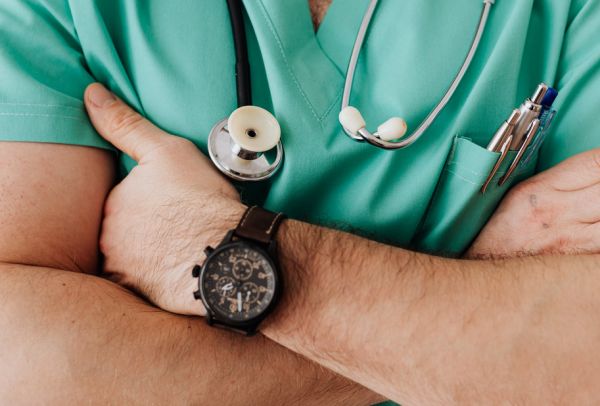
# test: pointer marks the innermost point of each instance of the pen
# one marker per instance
(520, 131)
(530, 134)
(500, 142)
(531, 109)
(505, 130)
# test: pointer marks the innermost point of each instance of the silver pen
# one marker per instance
(531, 109)
(501, 142)
(516, 134)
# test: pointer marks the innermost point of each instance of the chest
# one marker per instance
(318, 8)
(176, 64)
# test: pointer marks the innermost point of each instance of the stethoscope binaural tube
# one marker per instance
(354, 124)
(239, 145)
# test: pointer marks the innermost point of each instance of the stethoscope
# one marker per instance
(246, 146)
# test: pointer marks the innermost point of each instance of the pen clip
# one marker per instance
(531, 132)
(504, 148)
(546, 122)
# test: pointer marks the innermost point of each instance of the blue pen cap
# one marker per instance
(546, 117)
(549, 98)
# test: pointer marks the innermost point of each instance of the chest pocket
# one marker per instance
(458, 209)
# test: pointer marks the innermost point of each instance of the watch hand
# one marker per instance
(239, 301)
(247, 296)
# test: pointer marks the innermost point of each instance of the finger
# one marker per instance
(575, 173)
(585, 203)
(120, 125)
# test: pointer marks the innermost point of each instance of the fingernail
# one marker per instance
(99, 96)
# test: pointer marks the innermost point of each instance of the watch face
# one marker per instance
(238, 282)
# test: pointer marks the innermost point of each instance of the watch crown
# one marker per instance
(197, 295)
(196, 271)
(208, 250)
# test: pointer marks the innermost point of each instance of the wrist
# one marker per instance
(299, 248)
(208, 228)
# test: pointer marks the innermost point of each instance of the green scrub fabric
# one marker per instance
(174, 62)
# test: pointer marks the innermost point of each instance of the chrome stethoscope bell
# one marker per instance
(247, 145)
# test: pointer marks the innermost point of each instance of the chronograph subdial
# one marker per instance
(242, 268)
(226, 286)
(250, 292)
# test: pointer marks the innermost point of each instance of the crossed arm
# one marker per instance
(404, 324)
(69, 337)
(413, 327)
(424, 330)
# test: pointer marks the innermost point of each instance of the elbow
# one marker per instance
(38, 334)
(52, 259)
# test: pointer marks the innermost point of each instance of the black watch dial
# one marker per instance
(238, 282)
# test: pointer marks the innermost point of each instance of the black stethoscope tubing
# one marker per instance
(242, 63)
(238, 144)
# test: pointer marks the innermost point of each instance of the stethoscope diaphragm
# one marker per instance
(246, 146)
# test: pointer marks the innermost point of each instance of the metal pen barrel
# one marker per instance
(530, 110)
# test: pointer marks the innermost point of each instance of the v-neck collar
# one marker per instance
(314, 63)
(337, 31)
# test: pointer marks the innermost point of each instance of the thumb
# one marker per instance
(119, 124)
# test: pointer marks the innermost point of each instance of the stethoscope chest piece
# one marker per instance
(247, 145)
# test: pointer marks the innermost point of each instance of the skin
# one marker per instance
(318, 9)
(69, 337)
(555, 212)
(50, 212)
(533, 321)
(98, 336)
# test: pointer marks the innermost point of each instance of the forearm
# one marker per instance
(425, 330)
(74, 338)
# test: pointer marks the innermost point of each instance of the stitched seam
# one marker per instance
(465, 168)
(285, 60)
(42, 115)
(332, 105)
(496, 177)
(463, 178)
(41, 104)
(273, 223)
(250, 210)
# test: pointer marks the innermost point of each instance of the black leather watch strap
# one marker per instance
(259, 225)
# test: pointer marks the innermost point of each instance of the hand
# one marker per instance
(555, 212)
(161, 216)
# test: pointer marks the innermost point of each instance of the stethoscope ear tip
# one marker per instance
(351, 119)
(393, 129)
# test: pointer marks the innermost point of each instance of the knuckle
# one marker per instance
(124, 121)
(175, 146)
(179, 142)
(594, 160)
(103, 244)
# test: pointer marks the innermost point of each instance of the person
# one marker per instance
(411, 327)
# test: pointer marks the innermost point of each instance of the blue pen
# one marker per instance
(525, 128)
(546, 118)
(533, 111)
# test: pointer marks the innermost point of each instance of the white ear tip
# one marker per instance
(392, 129)
(351, 119)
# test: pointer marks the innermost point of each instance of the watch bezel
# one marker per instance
(250, 325)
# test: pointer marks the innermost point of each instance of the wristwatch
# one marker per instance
(239, 282)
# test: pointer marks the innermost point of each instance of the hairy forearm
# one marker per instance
(70, 338)
(425, 330)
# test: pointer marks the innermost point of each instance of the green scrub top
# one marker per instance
(174, 62)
